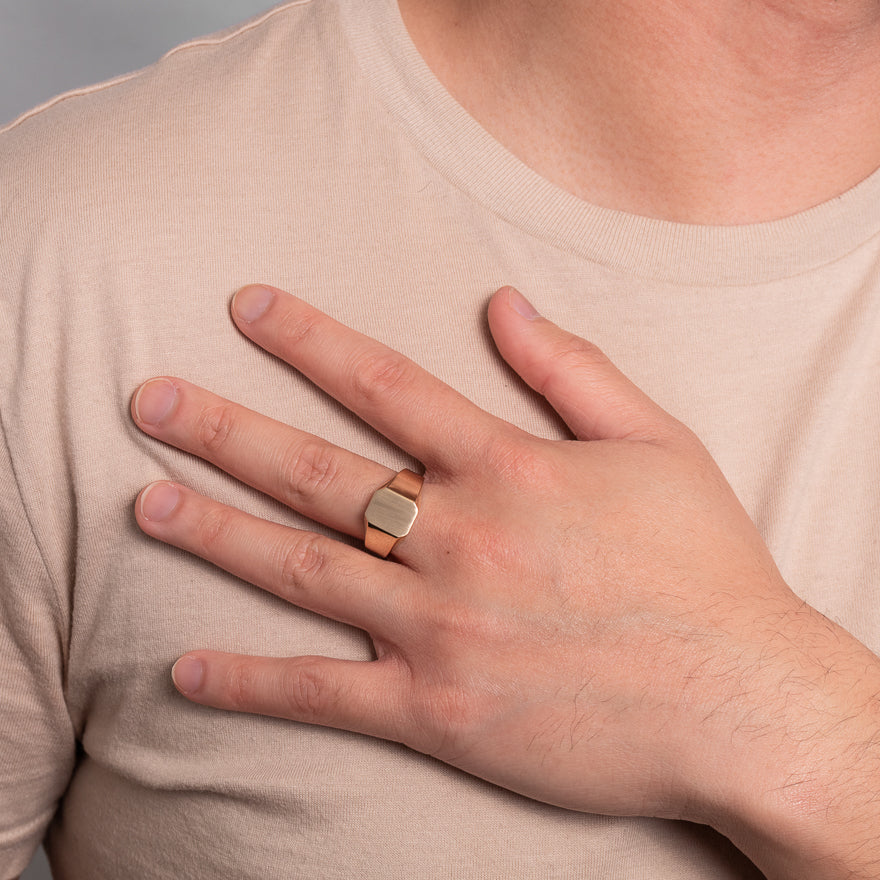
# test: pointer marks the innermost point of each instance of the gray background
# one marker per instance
(50, 46)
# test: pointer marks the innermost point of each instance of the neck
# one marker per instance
(703, 111)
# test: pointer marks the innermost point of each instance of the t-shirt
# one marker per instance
(312, 148)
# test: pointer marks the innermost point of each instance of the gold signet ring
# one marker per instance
(391, 512)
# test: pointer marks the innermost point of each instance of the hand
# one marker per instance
(593, 623)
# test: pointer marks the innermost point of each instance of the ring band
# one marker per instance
(391, 512)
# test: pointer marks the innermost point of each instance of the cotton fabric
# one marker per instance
(311, 148)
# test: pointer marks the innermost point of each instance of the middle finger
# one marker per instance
(324, 482)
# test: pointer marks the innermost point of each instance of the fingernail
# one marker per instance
(158, 501)
(154, 400)
(251, 302)
(520, 304)
(188, 674)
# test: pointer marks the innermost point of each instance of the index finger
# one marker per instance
(415, 410)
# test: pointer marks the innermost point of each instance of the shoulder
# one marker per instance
(198, 89)
(207, 59)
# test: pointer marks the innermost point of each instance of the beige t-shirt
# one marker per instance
(312, 148)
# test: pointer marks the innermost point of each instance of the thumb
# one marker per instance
(593, 397)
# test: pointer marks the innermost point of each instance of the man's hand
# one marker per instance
(595, 623)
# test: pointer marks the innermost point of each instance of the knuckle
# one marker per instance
(642, 426)
(214, 425)
(311, 467)
(450, 708)
(573, 351)
(304, 561)
(382, 375)
(295, 329)
(307, 692)
(462, 625)
(524, 465)
(215, 529)
(240, 685)
(571, 355)
(443, 716)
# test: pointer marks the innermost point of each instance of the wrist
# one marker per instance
(804, 793)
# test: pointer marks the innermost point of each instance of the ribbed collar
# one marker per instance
(471, 159)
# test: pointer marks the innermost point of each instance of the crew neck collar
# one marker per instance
(472, 160)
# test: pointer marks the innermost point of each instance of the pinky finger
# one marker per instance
(361, 696)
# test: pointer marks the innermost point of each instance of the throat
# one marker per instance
(717, 113)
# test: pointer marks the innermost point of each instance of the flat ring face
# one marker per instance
(391, 513)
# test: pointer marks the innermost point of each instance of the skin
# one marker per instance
(701, 111)
(603, 668)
